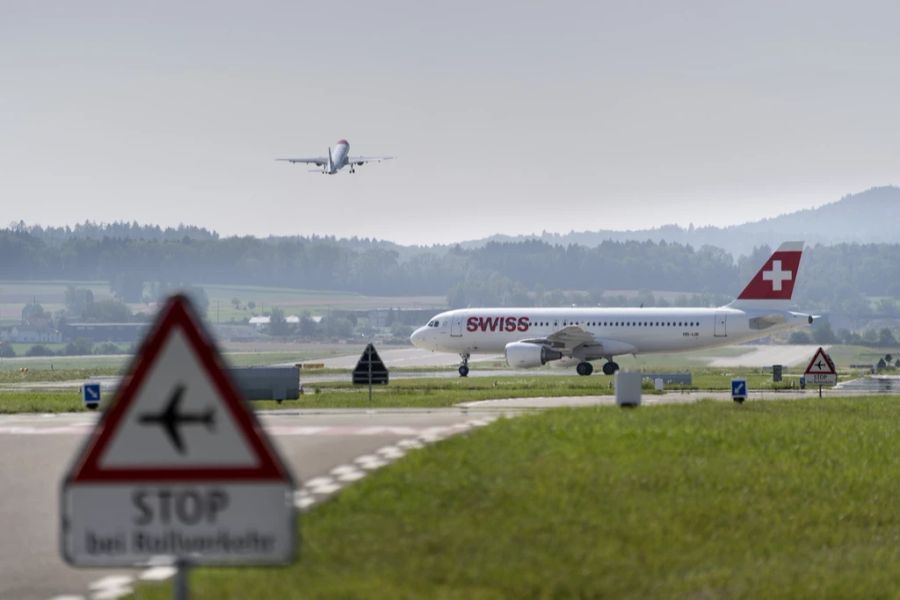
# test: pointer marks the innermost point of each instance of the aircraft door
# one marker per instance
(719, 330)
(456, 327)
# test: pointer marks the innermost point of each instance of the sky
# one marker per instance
(505, 117)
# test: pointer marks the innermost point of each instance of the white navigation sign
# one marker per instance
(820, 370)
(178, 466)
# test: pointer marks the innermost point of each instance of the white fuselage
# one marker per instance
(616, 331)
(338, 157)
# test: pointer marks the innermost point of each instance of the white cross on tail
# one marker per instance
(776, 275)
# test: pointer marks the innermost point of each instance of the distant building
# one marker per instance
(105, 332)
(260, 321)
(26, 334)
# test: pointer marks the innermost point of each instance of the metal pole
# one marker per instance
(820, 391)
(180, 585)
(370, 377)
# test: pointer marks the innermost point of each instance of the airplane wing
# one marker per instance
(319, 161)
(580, 343)
(361, 160)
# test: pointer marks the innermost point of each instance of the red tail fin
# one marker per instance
(775, 280)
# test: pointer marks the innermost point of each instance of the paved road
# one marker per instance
(766, 356)
(325, 449)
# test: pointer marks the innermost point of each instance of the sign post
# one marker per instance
(370, 369)
(820, 370)
(178, 468)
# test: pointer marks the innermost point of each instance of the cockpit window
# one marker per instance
(437, 323)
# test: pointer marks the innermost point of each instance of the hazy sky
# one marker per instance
(509, 117)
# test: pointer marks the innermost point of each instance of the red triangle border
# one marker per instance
(178, 313)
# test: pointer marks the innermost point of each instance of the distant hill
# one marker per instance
(868, 217)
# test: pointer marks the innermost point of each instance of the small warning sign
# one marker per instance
(820, 370)
(370, 369)
(178, 465)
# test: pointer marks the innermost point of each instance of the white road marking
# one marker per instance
(303, 503)
(351, 476)
(157, 573)
(343, 470)
(410, 444)
(370, 461)
(391, 452)
(317, 481)
(322, 485)
(111, 586)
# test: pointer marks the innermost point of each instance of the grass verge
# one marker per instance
(40, 402)
(767, 500)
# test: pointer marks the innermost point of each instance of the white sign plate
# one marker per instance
(821, 379)
(178, 467)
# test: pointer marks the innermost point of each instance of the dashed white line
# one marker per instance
(111, 586)
(410, 444)
(370, 461)
(343, 470)
(351, 476)
(390, 452)
(157, 573)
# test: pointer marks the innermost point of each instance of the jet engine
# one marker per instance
(526, 355)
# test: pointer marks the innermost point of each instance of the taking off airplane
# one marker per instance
(336, 159)
(531, 337)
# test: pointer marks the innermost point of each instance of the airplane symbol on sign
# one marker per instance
(777, 276)
(170, 419)
(820, 364)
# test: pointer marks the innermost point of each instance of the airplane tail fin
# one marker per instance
(773, 284)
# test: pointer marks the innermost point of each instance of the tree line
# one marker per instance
(842, 277)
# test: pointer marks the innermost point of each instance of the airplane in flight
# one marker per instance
(531, 337)
(337, 158)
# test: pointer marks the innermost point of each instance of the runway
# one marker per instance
(326, 450)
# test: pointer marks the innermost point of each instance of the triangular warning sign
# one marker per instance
(820, 364)
(370, 368)
(177, 416)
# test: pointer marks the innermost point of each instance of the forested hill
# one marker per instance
(507, 273)
(868, 217)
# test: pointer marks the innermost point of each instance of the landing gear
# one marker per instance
(584, 368)
(610, 368)
(464, 367)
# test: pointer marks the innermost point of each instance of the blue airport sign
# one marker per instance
(90, 393)
(739, 389)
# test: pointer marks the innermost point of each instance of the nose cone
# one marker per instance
(419, 337)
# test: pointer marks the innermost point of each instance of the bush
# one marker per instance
(39, 350)
(107, 348)
(799, 337)
(6, 350)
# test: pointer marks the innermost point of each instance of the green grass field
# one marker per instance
(790, 499)
(14, 295)
(424, 392)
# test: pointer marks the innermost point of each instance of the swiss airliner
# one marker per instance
(337, 158)
(531, 337)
